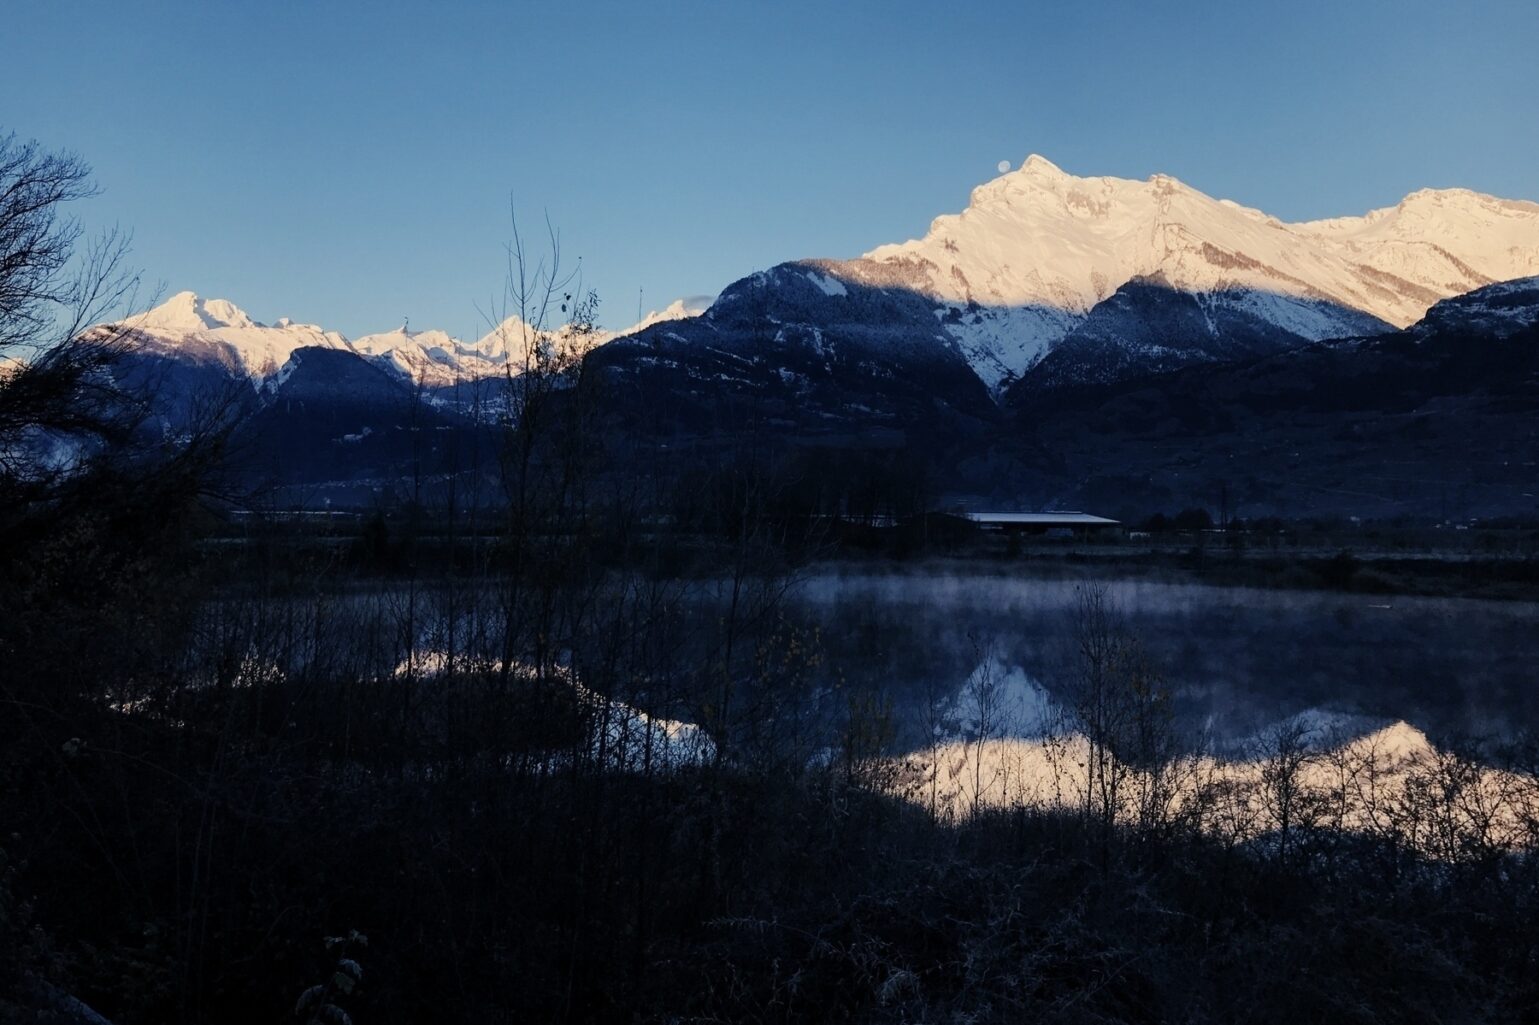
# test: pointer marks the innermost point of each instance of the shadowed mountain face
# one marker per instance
(1441, 419)
(333, 418)
(1147, 327)
(800, 353)
(823, 347)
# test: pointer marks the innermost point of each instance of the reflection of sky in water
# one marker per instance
(1234, 659)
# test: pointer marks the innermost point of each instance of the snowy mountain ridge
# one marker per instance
(1044, 280)
(216, 330)
(1037, 249)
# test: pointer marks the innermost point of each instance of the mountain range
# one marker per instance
(994, 344)
(1037, 251)
(217, 333)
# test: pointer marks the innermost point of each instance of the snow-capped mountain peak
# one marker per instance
(188, 312)
(1037, 248)
(217, 331)
(676, 310)
(435, 358)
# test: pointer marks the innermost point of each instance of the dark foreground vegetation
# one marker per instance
(189, 870)
(202, 778)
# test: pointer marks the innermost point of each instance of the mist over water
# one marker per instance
(1235, 660)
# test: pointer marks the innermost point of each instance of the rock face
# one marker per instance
(1497, 312)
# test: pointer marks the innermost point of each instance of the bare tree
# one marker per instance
(545, 324)
(984, 696)
(1098, 705)
(51, 287)
(88, 496)
(94, 508)
(1135, 768)
(1288, 807)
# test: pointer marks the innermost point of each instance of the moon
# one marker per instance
(1004, 165)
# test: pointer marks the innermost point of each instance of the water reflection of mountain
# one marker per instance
(1235, 659)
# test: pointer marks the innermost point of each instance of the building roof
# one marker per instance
(1050, 519)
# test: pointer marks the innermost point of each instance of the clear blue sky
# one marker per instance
(352, 163)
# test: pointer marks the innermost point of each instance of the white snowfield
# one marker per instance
(1391, 783)
(220, 331)
(1036, 248)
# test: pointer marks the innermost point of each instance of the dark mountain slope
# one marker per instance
(805, 356)
(1147, 327)
(1441, 419)
(335, 417)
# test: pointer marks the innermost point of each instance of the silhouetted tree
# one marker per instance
(1193, 519)
(95, 507)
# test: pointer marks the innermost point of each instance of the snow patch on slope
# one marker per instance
(830, 286)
